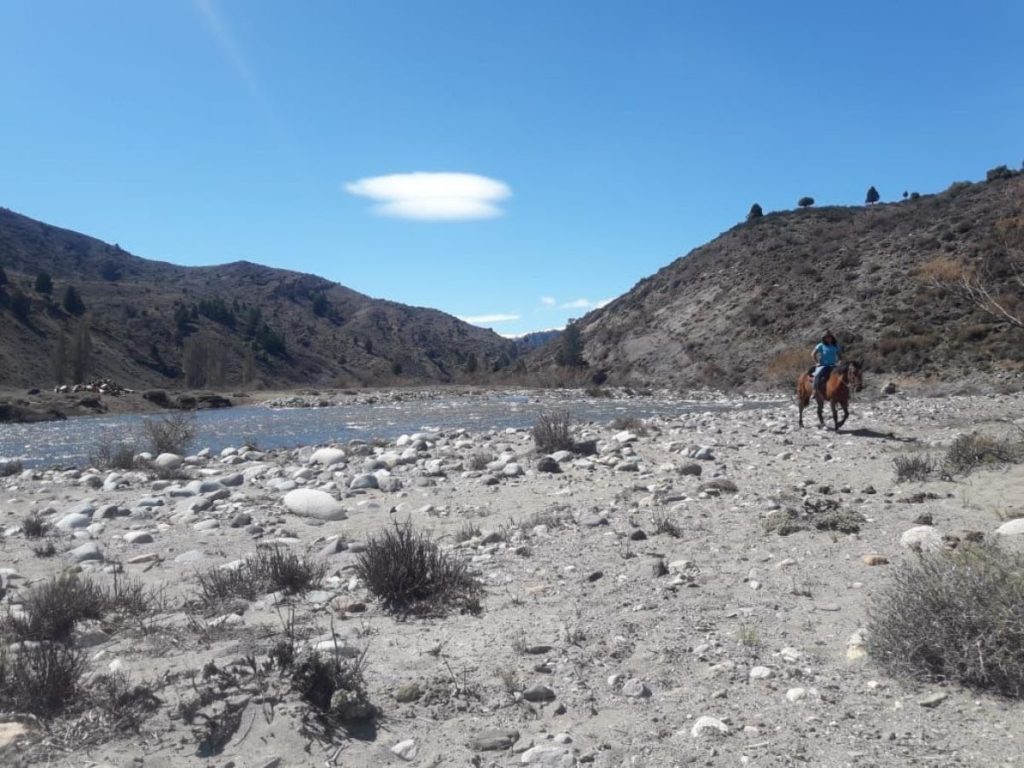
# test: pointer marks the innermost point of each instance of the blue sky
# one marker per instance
(584, 144)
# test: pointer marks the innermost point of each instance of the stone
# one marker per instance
(548, 464)
(406, 749)
(168, 461)
(512, 469)
(538, 693)
(635, 688)
(708, 727)
(493, 739)
(206, 525)
(11, 732)
(922, 538)
(760, 673)
(796, 694)
(875, 560)
(1011, 527)
(691, 469)
(700, 452)
(363, 481)
(74, 521)
(241, 520)
(307, 502)
(327, 456)
(933, 700)
(412, 692)
(190, 556)
(592, 520)
(138, 537)
(546, 754)
(90, 551)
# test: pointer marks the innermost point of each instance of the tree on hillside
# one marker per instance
(805, 202)
(72, 302)
(60, 358)
(570, 349)
(320, 305)
(755, 212)
(202, 361)
(44, 283)
(872, 196)
(81, 352)
(21, 305)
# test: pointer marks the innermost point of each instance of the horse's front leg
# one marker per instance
(821, 411)
(846, 415)
(835, 417)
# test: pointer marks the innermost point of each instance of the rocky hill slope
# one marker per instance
(747, 307)
(156, 324)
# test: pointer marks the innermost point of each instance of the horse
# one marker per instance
(842, 379)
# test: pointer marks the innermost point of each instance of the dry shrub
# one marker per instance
(270, 569)
(113, 451)
(943, 270)
(785, 368)
(407, 571)
(51, 609)
(173, 433)
(478, 460)
(41, 678)
(664, 523)
(11, 467)
(34, 527)
(912, 468)
(954, 616)
(334, 686)
(553, 432)
(969, 451)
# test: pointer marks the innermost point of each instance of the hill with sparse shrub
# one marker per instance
(888, 279)
(73, 308)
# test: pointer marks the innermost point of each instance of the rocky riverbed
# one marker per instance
(639, 605)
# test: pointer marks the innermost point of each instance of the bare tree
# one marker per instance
(202, 361)
(59, 359)
(248, 365)
(997, 285)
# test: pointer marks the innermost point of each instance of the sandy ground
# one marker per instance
(755, 630)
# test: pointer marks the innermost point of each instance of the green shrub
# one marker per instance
(954, 616)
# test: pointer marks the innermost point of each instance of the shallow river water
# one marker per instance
(67, 443)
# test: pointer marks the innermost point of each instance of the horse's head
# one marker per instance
(855, 375)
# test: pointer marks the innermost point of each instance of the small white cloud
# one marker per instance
(433, 196)
(548, 301)
(487, 319)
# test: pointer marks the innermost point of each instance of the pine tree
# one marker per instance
(755, 212)
(44, 283)
(73, 303)
(872, 196)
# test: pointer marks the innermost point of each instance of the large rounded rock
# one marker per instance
(363, 481)
(168, 461)
(327, 456)
(308, 502)
(1011, 527)
(921, 538)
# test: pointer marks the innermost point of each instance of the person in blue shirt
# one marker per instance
(826, 354)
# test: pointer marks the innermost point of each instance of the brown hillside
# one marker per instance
(144, 317)
(748, 306)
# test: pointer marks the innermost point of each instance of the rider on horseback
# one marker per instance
(826, 354)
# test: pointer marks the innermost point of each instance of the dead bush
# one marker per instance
(271, 569)
(970, 451)
(954, 615)
(173, 433)
(478, 461)
(51, 609)
(113, 451)
(41, 678)
(334, 686)
(409, 573)
(553, 432)
(943, 270)
(665, 523)
(784, 369)
(912, 468)
(34, 527)
(11, 467)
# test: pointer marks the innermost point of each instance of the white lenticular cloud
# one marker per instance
(487, 319)
(548, 301)
(433, 196)
(584, 304)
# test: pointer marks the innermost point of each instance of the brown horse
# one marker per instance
(841, 381)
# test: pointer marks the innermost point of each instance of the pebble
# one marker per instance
(539, 693)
